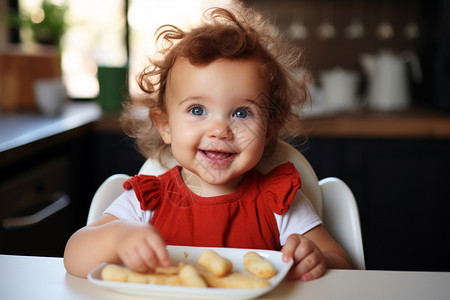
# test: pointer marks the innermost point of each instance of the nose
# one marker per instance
(220, 129)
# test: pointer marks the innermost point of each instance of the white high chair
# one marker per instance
(331, 197)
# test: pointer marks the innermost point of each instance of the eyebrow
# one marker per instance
(193, 98)
(251, 100)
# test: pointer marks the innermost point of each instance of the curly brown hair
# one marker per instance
(240, 33)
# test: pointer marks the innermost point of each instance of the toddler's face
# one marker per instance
(216, 124)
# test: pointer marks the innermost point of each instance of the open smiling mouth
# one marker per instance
(218, 157)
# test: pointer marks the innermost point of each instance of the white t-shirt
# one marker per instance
(300, 217)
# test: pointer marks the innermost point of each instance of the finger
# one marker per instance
(306, 265)
(132, 260)
(304, 249)
(298, 271)
(299, 248)
(147, 256)
(159, 250)
(163, 256)
(289, 247)
(314, 273)
(304, 260)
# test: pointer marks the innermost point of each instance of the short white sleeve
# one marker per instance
(300, 217)
(127, 207)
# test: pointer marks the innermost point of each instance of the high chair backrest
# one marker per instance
(341, 218)
(331, 197)
(106, 193)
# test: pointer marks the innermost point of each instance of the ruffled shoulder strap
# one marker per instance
(147, 189)
(279, 186)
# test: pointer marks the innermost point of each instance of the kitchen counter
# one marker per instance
(414, 123)
(20, 131)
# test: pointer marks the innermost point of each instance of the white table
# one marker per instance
(28, 277)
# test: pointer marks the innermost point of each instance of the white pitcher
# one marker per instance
(339, 88)
(388, 79)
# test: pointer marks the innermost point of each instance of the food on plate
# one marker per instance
(115, 273)
(162, 275)
(164, 279)
(190, 277)
(256, 264)
(212, 270)
(170, 270)
(235, 281)
(137, 277)
(219, 266)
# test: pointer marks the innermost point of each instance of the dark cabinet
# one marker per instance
(45, 196)
(46, 178)
(115, 153)
(34, 209)
(403, 192)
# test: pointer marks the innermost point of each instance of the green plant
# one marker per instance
(46, 24)
(52, 27)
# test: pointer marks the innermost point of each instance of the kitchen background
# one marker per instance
(379, 117)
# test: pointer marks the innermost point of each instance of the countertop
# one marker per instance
(19, 129)
(21, 133)
(412, 123)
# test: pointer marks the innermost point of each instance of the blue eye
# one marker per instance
(197, 110)
(241, 113)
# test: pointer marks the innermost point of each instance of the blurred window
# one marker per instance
(97, 35)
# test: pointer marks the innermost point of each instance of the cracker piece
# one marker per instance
(136, 277)
(258, 266)
(190, 277)
(170, 270)
(113, 272)
(235, 281)
(216, 264)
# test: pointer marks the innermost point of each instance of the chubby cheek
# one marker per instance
(255, 151)
(253, 138)
(189, 134)
(184, 141)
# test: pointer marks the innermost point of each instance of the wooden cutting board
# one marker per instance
(18, 72)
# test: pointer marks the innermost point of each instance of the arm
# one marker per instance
(313, 253)
(109, 239)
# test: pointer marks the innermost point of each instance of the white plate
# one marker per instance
(190, 255)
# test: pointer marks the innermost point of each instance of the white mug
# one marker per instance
(50, 95)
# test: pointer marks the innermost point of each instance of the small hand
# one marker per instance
(309, 261)
(141, 247)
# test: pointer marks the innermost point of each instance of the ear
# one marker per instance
(161, 121)
(269, 137)
(269, 134)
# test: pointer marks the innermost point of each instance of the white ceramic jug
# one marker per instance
(388, 87)
(339, 88)
(50, 95)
